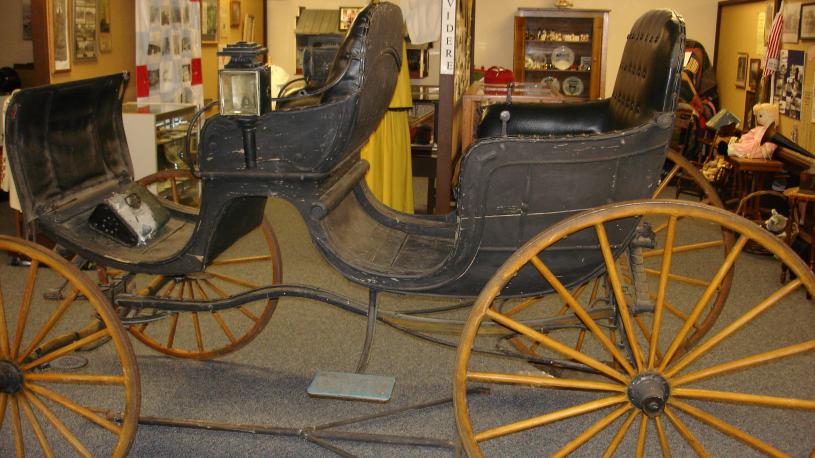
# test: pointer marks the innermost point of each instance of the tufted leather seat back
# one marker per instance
(368, 60)
(645, 85)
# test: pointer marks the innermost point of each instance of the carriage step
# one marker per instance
(351, 386)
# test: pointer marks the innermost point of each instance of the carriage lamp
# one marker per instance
(245, 92)
(244, 82)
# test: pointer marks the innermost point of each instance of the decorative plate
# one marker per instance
(551, 82)
(562, 57)
(572, 86)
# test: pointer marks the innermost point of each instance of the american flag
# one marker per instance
(773, 46)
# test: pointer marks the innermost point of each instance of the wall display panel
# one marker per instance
(168, 51)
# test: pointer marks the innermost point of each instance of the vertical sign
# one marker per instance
(448, 37)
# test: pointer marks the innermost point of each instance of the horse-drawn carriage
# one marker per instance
(558, 171)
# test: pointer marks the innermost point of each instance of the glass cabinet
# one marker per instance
(564, 49)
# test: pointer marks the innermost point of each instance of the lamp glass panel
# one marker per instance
(239, 93)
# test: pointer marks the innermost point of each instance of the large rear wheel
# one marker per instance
(49, 399)
(738, 388)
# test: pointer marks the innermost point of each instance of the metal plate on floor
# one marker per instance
(346, 385)
(69, 363)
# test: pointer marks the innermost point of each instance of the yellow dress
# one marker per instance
(390, 177)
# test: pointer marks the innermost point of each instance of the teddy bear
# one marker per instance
(749, 144)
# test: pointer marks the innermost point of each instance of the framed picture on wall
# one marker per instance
(808, 21)
(741, 70)
(209, 21)
(347, 16)
(85, 13)
(235, 13)
(754, 74)
(59, 47)
(792, 22)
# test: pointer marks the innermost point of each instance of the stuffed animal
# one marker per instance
(776, 223)
(749, 145)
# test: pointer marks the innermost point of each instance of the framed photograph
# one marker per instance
(347, 16)
(209, 21)
(85, 14)
(754, 75)
(105, 41)
(792, 22)
(235, 13)
(59, 46)
(741, 70)
(808, 21)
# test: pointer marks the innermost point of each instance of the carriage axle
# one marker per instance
(649, 392)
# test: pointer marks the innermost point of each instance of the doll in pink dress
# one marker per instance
(749, 145)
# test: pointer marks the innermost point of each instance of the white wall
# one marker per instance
(13, 50)
(494, 25)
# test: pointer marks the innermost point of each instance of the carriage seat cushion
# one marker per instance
(545, 119)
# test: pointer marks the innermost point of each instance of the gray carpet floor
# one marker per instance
(266, 381)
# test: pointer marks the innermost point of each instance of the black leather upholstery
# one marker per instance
(547, 119)
(65, 140)
(646, 84)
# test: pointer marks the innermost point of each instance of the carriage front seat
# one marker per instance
(554, 160)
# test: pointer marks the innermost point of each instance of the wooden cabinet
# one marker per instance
(563, 48)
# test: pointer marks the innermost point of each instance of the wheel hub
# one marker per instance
(11, 377)
(649, 392)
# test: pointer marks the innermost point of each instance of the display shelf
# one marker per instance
(585, 54)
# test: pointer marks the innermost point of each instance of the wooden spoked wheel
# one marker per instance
(640, 267)
(45, 406)
(741, 387)
(242, 267)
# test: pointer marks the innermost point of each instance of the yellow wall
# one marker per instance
(123, 54)
(209, 58)
(737, 33)
(123, 50)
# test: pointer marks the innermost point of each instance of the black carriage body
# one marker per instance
(510, 188)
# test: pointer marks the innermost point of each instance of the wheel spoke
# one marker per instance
(4, 343)
(25, 305)
(647, 334)
(770, 301)
(685, 433)
(244, 260)
(581, 313)
(550, 418)
(545, 382)
(248, 314)
(51, 377)
(662, 288)
(236, 281)
(700, 305)
(17, 425)
(58, 424)
(173, 327)
(555, 345)
(199, 337)
(680, 278)
(618, 438)
(35, 425)
(66, 349)
(685, 248)
(726, 428)
(663, 439)
(591, 431)
(744, 398)
(150, 286)
(743, 363)
(641, 436)
(3, 403)
(88, 414)
(222, 324)
(522, 306)
(217, 290)
(52, 320)
(622, 305)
